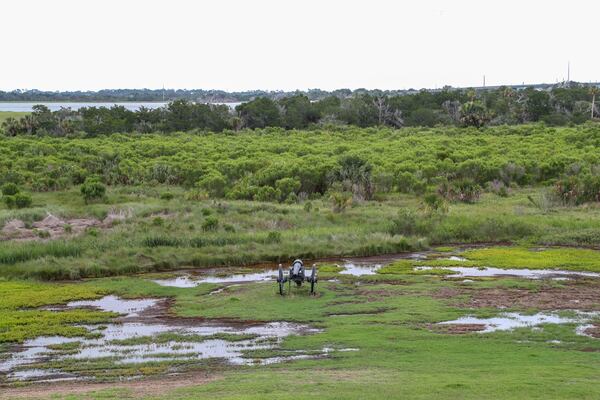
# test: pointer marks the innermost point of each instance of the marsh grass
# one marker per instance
(12, 253)
(268, 232)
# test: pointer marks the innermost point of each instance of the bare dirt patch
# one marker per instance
(593, 331)
(579, 294)
(53, 227)
(457, 329)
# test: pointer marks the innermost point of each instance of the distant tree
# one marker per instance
(386, 115)
(298, 112)
(538, 104)
(259, 113)
(423, 117)
(473, 113)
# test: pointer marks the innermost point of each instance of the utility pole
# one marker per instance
(483, 80)
(568, 71)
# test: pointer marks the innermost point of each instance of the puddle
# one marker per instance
(187, 281)
(356, 267)
(510, 321)
(130, 308)
(461, 272)
(359, 269)
(135, 342)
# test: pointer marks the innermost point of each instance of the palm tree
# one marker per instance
(594, 91)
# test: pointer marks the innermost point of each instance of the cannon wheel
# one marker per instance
(280, 280)
(313, 279)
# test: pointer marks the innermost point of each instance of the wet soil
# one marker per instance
(457, 329)
(130, 340)
(573, 295)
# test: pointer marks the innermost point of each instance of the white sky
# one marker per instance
(294, 44)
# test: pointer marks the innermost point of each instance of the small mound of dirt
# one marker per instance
(593, 331)
(457, 329)
(16, 229)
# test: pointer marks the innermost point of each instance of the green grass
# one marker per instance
(4, 115)
(398, 355)
(139, 245)
(20, 319)
(563, 258)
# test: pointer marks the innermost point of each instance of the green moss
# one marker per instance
(19, 322)
(407, 267)
(516, 257)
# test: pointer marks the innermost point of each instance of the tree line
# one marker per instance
(503, 106)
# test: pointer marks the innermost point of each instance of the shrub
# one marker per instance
(23, 200)
(206, 212)
(92, 189)
(409, 223)
(228, 228)
(214, 183)
(10, 189)
(498, 188)
(273, 237)
(210, 224)
(167, 196)
(158, 221)
(569, 190)
(266, 193)
(308, 206)
(465, 190)
(287, 186)
(435, 204)
(9, 201)
(291, 199)
(340, 201)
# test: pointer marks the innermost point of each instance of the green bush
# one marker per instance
(465, 191)
(409, 223)
(214, 183)
(9, 201)
(92, 190)
(10, 189)
(210, 224)
(23, 200)
(167, 196)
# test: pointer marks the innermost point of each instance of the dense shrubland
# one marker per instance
(503, 106)
(290, 166)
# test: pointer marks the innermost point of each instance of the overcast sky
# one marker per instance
(295, 44)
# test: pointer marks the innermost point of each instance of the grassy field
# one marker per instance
(373, 336)
(4, 115)
(389, 318)
(160, 235)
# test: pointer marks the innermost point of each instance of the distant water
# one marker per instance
(55, 106)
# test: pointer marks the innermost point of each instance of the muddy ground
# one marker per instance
(53, 227)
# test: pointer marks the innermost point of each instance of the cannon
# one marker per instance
(297, 274)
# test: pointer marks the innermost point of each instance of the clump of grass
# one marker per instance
(12, 253)
(210, 224)
(273, 238)
(163, 241)
(407, 267)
